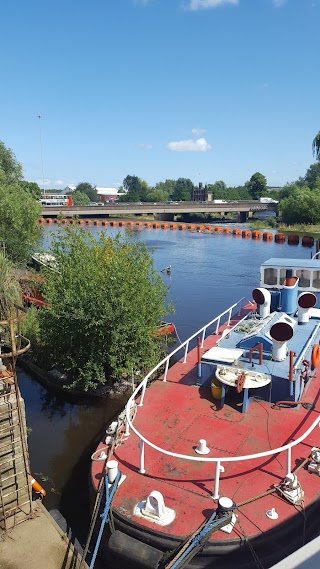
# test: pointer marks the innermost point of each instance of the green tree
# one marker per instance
(310, 179)
(135, 189)
(106, 301)
(301, 205)
(166, 187)
(157, 196)
(257, 185)
(88, 190)
(182, 190)
(19, 228)
(32, 187)
(79, 198)
(10, 168)
(10, 291)
(316, 146)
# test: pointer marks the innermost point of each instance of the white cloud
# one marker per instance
(198, 131)
(200, 145)
(59, 183)
(195, 5)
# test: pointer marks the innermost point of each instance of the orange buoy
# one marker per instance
(36, 486)
(256, 234)
(71, 221)
(293, 239)
(227, 230)
(200, 227)
(97, 222)
(138, 223)
(64, 221)
(41, 220)
(236, 231)
(88, 221)
(113, 223)
(155, 225)
(147, 224)
(279, 237)
(218, 229)
(307, 241)
(191, 226)
(173, 226)
(182, 226)
(49, 220)
(267, 236)
(246, 233)
(209, 227)
(56, 220)
(164, 226)
(315, 356)
(81, 221)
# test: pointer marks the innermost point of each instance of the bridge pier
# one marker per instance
(242, 216)
(164, 216)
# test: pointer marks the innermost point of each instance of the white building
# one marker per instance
(108, 194)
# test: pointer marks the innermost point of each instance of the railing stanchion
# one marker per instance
(229, 316)
(127, 433)
(142, 394)
(216, 480)
(218, 325)
(288, 460)
(142, 469)
(186, 352)
(166, 370)
(203, 335)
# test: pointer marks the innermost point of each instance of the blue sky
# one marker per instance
(202, 89)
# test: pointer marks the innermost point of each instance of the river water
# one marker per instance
(208, 273)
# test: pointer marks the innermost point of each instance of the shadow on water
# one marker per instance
(62, 436)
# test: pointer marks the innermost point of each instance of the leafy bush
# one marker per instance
(106, 301)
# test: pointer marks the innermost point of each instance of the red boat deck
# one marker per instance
(175, 415)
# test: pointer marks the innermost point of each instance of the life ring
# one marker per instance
(241, 381)
(36, 486)
(315, 357)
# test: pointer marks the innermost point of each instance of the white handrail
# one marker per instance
(218, 460)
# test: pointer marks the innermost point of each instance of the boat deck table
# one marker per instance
(229, 379)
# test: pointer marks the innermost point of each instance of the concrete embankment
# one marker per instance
(38, 542)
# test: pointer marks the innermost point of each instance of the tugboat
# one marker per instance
(217, 461)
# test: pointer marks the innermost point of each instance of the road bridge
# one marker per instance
(160, 210)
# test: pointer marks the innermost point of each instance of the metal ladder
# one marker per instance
(15, 487)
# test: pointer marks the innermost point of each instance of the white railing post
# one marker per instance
(127, 433)
(216, 481)
(217, 326)
(166, 370)
(142, 395)
(229, 316)
(203, 336)
(142, 469)
(186, 352)
(288, 460)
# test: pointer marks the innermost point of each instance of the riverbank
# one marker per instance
(55, 382)
(39, 542)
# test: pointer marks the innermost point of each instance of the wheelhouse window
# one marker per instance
(270, 276)
(304, 278)
(316, 279)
